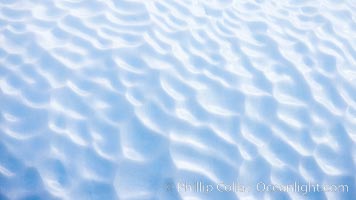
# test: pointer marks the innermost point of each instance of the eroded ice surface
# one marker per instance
(124, 99)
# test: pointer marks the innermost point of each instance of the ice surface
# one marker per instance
(132, 99)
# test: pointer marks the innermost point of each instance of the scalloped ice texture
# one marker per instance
(130, 99)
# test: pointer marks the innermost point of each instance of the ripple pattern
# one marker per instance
(115, 99)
